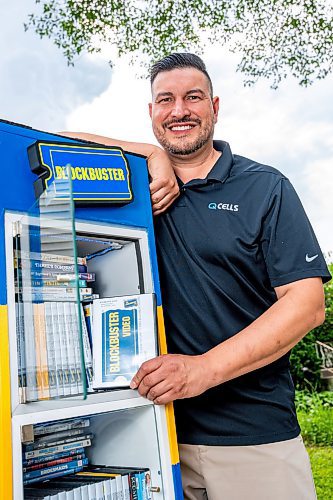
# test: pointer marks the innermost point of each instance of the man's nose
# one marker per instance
(180, 109)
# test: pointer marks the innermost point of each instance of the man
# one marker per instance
(241, 274)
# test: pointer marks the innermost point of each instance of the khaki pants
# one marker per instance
(276, 471)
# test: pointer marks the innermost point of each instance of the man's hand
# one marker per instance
(171, 376)
(163, 186)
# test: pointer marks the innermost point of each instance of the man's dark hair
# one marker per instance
(178, 61)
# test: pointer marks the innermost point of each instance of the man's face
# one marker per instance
(183, 113)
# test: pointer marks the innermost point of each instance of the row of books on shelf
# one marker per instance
(49, 350)
(61, 344)
(55, 466)
(51, 277)
(48, 325)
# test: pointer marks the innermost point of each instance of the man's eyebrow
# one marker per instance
(189, 92)
(196, 91)
(163, 94)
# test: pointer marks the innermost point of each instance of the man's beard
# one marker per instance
(188, 146)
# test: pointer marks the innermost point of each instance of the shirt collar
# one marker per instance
(221, 169)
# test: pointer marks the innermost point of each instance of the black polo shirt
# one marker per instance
(223, 246)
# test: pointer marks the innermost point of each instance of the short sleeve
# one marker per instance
(290, 247)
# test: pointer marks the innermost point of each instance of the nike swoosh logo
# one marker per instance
(310, 259)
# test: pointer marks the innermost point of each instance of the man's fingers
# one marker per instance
(158, 390)
(144, 370)
(165, 398)
(163, 204)
(168, 184)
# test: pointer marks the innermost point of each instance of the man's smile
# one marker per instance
(183, 126)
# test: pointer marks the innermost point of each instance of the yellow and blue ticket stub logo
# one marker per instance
(99, 174)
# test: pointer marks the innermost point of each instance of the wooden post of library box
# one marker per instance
(129, 430)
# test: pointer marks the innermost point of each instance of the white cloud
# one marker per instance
(36, 85)
(291, 128)
(120, 112)
(318, 200)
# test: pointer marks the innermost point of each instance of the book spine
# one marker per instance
(43, 353)
(133, 486)
(49, 257)
(126, 486)
(87, 350)
(99, 490)
(57, 349)
(69, 386)
(52, 275)
(113, 489)
(37, 328)
(57, 293)
(107, 489)
(51, 351)
(20, 339)
(51, 463)
(37, 265)
(81, 276)
(42, 429)
(71, 348)
(146, 485)
(56, 471)
(87, 309)
(75, 336)
(56, 456)
(30, 352)
(52, 450)
(56, 283)
(58, 435)
(56, 442)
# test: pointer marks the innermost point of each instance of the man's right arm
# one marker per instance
(163, 185)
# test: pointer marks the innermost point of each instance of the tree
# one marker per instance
(274, 38)
(305, 364)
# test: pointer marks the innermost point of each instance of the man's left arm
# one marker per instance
(300, 308)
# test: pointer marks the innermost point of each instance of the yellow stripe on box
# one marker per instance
(6, 475)
(161, 331)
(172, 434)
(169, 407)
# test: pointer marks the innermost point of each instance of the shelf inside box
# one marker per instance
(116, 398)
(108, 431)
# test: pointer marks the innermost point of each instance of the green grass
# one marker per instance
(315, 416)
(322, 469)
(317, 426)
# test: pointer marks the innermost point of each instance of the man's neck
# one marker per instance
(196, 165)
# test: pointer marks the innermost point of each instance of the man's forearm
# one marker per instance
(163, 186)
(270, 336)
(134, 147)
(300, 307)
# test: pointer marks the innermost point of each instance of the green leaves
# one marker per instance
(304, 362)
(315, 415)
(274, 38)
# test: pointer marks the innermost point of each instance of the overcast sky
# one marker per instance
(290, 128)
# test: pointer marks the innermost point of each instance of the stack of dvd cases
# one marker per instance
(47, 324)
(55, 466)
(55, 449)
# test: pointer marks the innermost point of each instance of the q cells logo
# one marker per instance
(223, 206)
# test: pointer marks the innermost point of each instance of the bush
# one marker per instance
(315, 415)
(304, 362)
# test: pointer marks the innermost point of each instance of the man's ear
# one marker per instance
(150, 106)
(216, 107)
